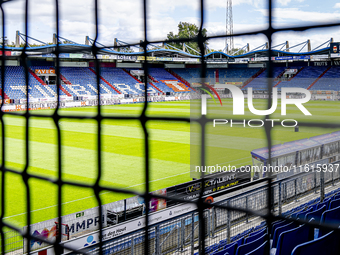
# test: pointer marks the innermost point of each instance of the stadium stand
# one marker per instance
(288, 237)
(224, 75)
(191, 75)
(46, 90)
(15, 82)
(15, 85)
(167, 82)
(151, 87)
(328, 80)
(81, 81)
(285, 235)
(304, 78)
(260, 82)
(328, 244)
(122, 81)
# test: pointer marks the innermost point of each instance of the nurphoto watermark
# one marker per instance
(269, 168)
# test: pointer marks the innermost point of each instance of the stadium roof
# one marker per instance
(86, 49)
(285, 149)
(263, 53)
(299, 145)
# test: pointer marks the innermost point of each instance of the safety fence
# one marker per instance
(115, 213)
(181, 233)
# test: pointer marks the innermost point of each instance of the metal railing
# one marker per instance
(182, 233)
(143, 118)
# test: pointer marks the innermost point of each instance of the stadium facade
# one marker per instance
(172, 73)
(172, 76)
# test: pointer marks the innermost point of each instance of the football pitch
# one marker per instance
(123, 151)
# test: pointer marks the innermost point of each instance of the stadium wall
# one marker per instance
(67, 102)
(103, 64)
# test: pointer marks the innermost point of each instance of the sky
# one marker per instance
(123, 19)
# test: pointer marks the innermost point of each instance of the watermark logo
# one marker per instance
(208, 92)
(239, 100)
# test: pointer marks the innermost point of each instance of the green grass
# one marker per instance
(123, 151)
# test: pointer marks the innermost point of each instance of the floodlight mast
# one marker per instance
(229, 26)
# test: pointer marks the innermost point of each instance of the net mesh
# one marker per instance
(143, 118)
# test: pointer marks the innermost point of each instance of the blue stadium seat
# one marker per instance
(261, 250)
(330, 217)
(316, 215)
(281, 229)
(263, 224)
(306, 76)
(336, 196)
(161, 75)
(291, 238)
(122, 81)
(255, 235)
(328, 80)
(260, 82)
(231, 248)
(246, 248)
(84, 83)
(222, 243)
(277, 224)
(192, 75)
(334, 203)
(321, 204)
(302, 214)
(325, 202)
(328, 244)
(298, 211)
(238, 239)
(211, 248)
(222, 252)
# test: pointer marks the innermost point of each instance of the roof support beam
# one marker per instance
(328, 42)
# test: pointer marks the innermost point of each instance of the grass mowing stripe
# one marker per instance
(82, 162)
(170, 151)
(116, 130)
(102, 193)
(123, 156)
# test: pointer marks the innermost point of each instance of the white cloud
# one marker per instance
(290, 15)
(286, 2)
(218, 28)
(337, 5)
(123, 19)
(295, 38)
(213, 4)
(166, 6)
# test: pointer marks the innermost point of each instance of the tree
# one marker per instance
(124, 49)
(187, 31)
(232, 51)
(213, 50)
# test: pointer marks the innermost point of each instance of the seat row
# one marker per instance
(287, 237)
